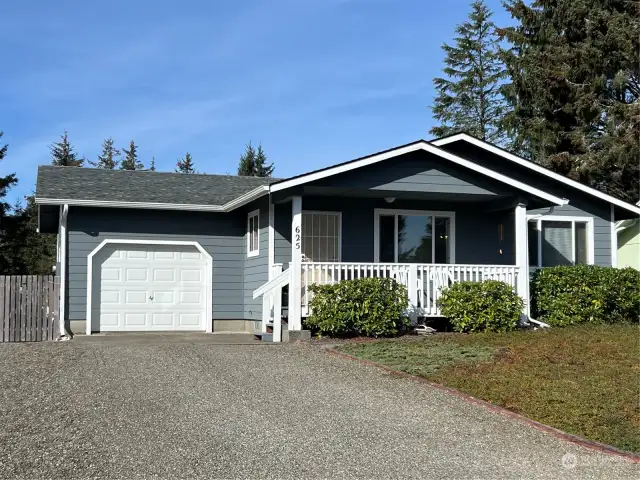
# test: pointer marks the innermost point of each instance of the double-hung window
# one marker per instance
(321, 236)
(253, 233)
(560, 241)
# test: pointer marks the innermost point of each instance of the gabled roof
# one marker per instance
(463, 137)
(413, 147)
(146, 189)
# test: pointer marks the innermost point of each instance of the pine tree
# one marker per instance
(575, 89)
(185, 165)
(468, 97)
(152, 165)
(247, 166)
(130, 160)
(6, 183)
(63, 153)
(109, 158)
(261, 169)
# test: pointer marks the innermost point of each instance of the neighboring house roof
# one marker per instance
(412, 147)
(536, 168)
(146, 189)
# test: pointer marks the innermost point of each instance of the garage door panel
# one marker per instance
(150, 287)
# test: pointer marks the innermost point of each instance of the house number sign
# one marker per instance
(297, 237)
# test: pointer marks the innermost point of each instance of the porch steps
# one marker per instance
(268, 336)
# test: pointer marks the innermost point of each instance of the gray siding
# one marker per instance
(477, 238)
(580, 204)
(416, 172)
(282, 230)
(256, 269)
(220, 234)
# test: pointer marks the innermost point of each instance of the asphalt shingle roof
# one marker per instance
(76, 183)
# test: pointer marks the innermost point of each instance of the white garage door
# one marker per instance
(149, 288)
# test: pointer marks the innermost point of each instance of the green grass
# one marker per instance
(584, 380)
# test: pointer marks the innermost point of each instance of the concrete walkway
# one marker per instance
(167, 409)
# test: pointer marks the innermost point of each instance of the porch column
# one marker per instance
(522, 255)
(614, 239)
(295, 296)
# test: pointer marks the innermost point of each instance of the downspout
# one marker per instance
(62, 274)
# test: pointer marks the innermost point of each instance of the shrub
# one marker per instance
(374, 307)
(489, 306)
(568, 295)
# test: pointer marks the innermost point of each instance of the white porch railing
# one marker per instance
(424, 282)
(272, 302)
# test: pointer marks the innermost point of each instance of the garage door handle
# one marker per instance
(150, 298)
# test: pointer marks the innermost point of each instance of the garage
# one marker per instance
(150, 287)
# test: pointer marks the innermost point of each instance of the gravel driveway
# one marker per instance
(194, 410)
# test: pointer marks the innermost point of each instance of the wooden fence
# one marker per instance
(29, 306)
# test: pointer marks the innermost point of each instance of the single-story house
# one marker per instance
(155, 251)
(629, 242)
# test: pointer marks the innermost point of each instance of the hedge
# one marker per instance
(568, 295)
(373, 307)
(489, 306)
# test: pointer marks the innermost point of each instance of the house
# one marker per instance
(628, 243)
(151, 251)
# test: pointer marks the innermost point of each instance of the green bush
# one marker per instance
(373, 307)
(568, 295)
(489, 306)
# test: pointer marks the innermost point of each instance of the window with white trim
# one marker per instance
(321, 236)
(560, 241)
(253, 233)
(413, 236)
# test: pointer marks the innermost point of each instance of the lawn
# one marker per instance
(584, 380)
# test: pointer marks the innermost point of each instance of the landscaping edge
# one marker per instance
(584, 442)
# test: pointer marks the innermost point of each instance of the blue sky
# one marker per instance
(316, 82)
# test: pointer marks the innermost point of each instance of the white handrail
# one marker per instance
(272, 301)
(424, 281)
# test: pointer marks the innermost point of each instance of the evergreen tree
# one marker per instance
(247, 166)
(468, 97)
(6, 183)
(130, 160)
(261, 169)
(109, 158)
(575, 89)
(152, 165)
(63, 153)
(185, 165)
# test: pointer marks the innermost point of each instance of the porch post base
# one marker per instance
(299, 335)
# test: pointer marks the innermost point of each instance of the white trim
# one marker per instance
(614, 239)
(537, 168)
(209, 274)
(62, 274)
(327, 212)
(566, 218)
(377, 212)
(295, 285)
(522, 255)
(420, 145)
(227, 207)
(271, 250)
(250, 215)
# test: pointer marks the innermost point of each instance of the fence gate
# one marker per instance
(29, 306)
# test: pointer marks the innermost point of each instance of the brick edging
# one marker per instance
(590, 444)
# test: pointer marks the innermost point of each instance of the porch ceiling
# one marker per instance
(398, 194)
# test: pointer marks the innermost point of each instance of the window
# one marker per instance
(321, 232)
(414, 236)
(253, 233)
(560, 241)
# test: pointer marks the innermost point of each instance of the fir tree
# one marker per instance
(6, 183)
(152, 165)
(247, 166)
(261, 168)
(109, 158)
(63, 153)
(185, 165)
(130, 160)
(575, 89)
(468, 97)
